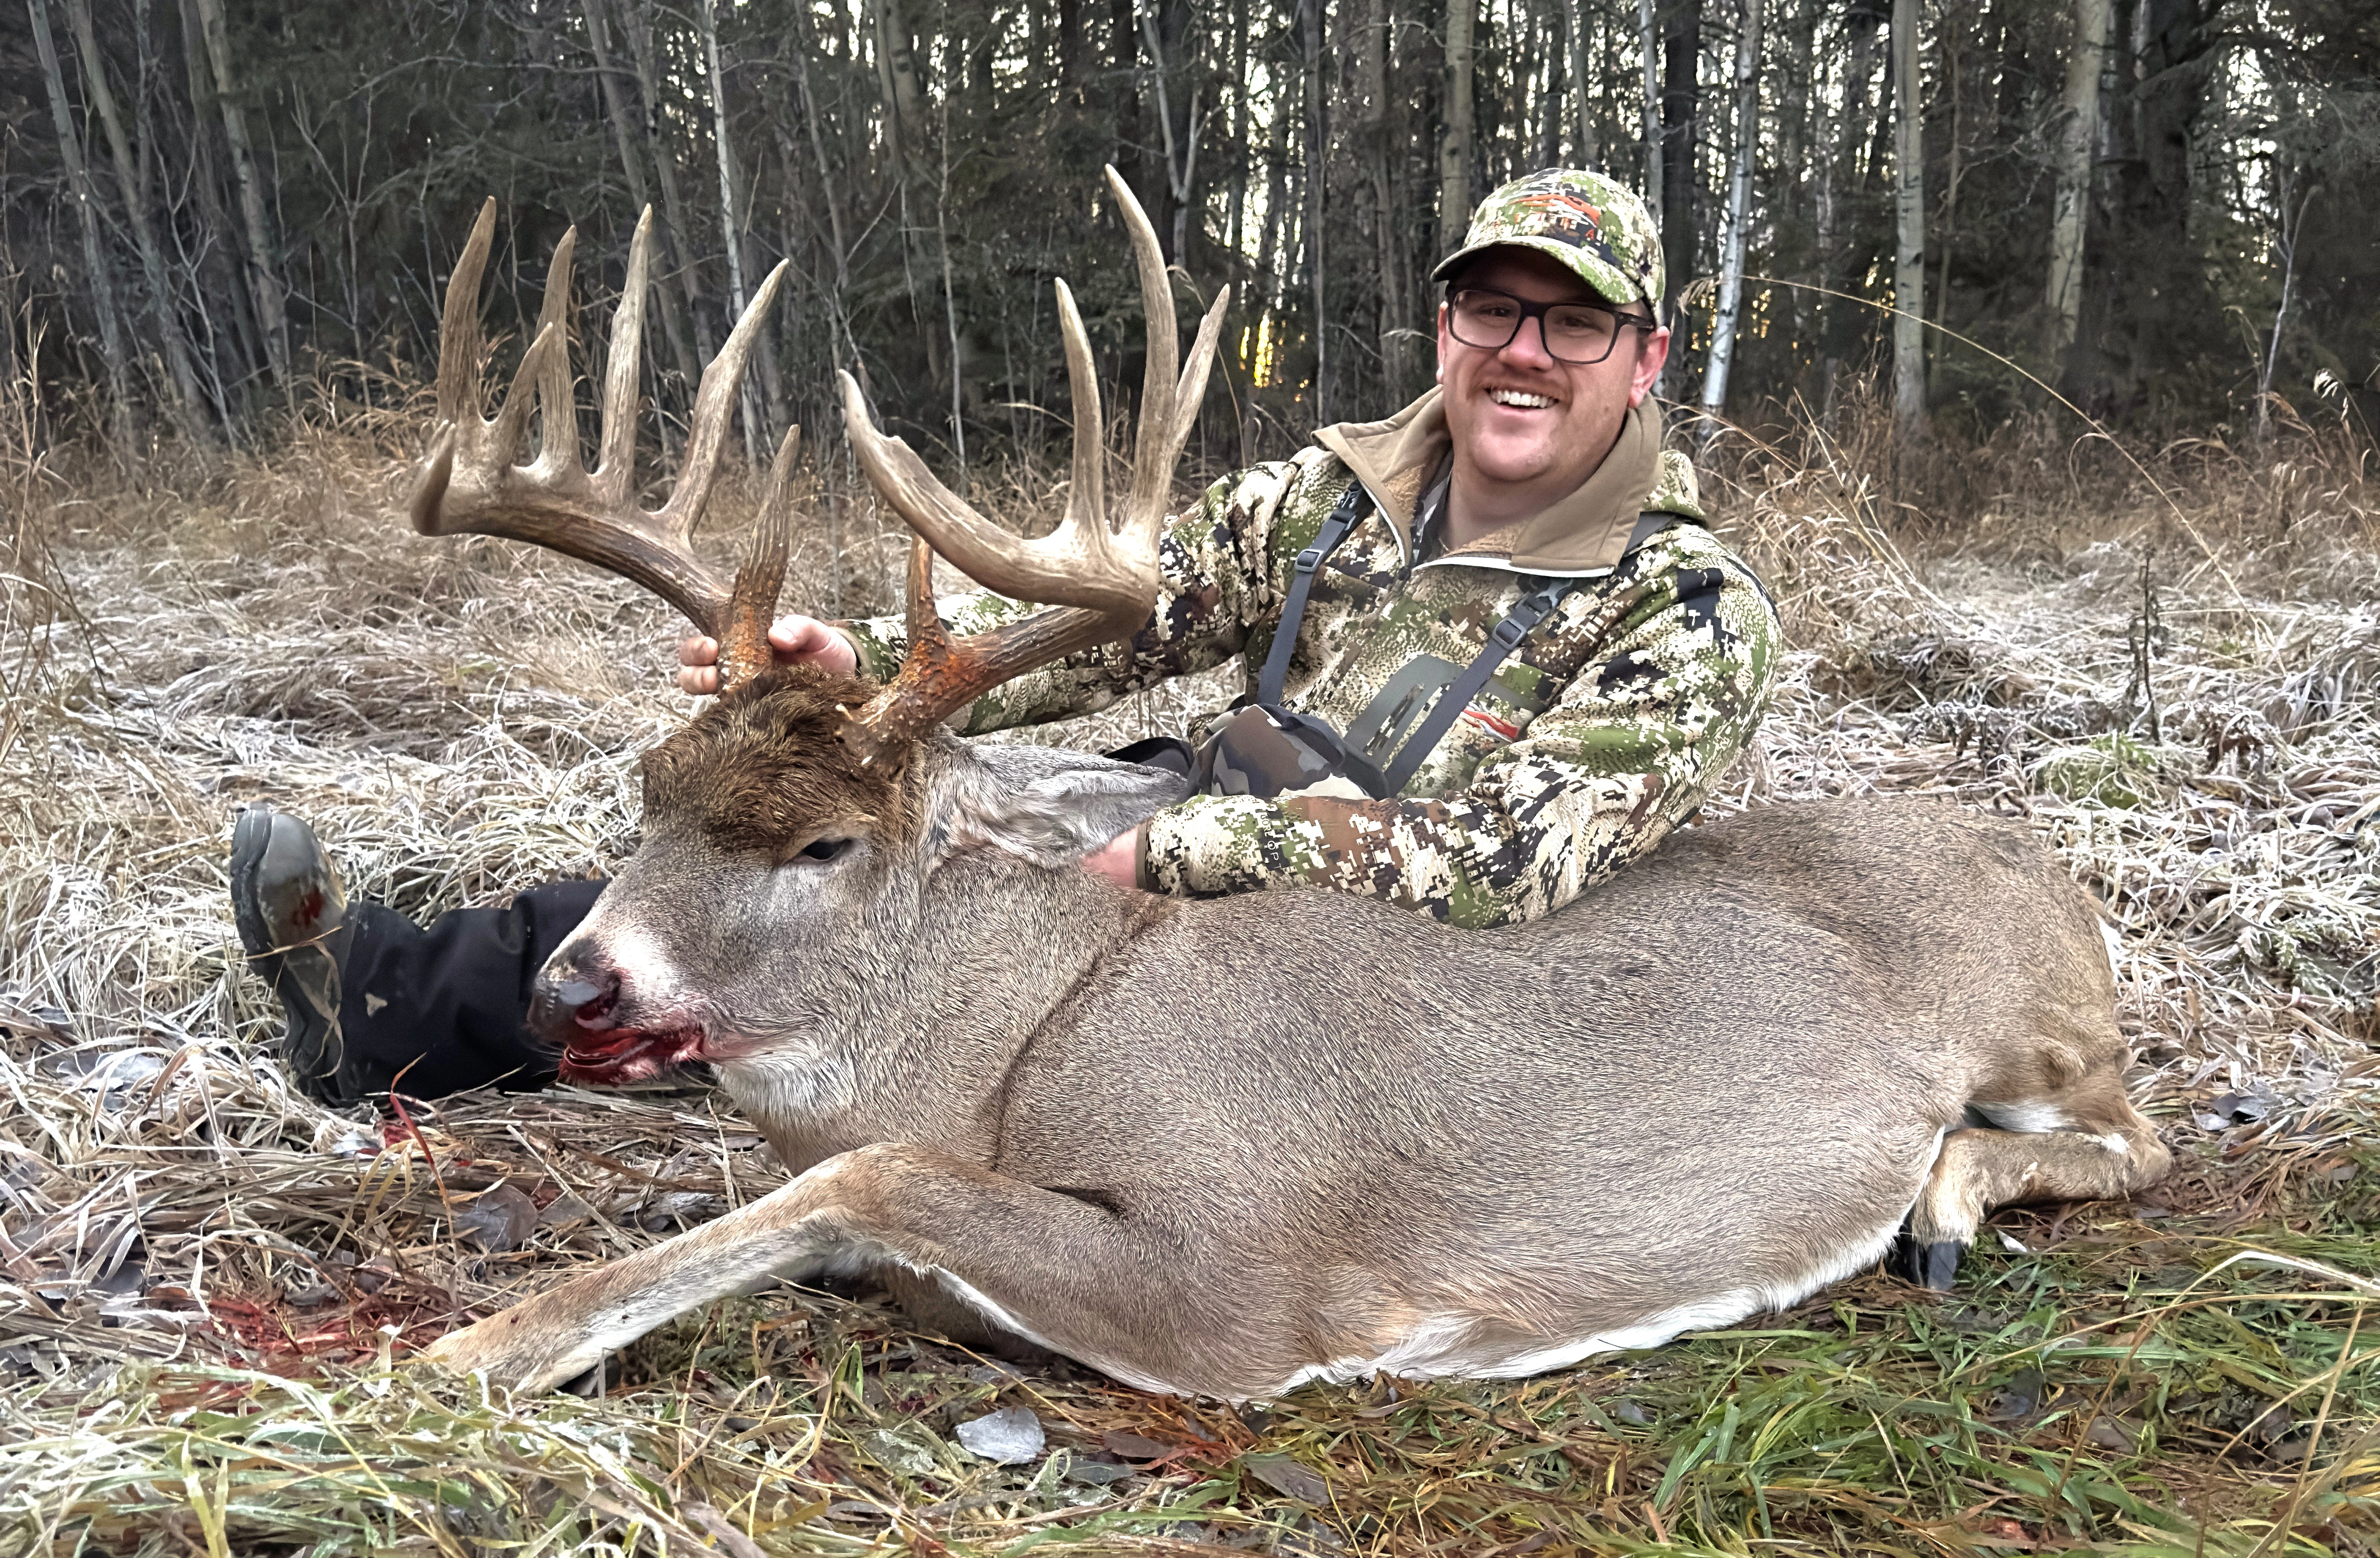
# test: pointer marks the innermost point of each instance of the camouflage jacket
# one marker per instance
(1597, 735)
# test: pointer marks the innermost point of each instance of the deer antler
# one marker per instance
(1100, 580)
(469, 482)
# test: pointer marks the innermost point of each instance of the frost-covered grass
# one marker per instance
(202, 1274)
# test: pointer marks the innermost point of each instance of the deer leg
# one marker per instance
(2095, 1146)
(1058, 1269)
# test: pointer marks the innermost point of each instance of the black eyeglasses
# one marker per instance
(1578, 334)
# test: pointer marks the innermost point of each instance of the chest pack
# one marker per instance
(1262, 748)
(1393, 771)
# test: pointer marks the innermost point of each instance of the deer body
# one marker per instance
(1229, 1146)
(1224, 1146)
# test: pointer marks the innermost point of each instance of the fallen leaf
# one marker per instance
(2238, 1108)
(1135, 1447)
(1010, 1436)
(1297, 1480)
(497, 1220)
(2018, 1398)
(1081, 1468)
(898, 1451)
(2106, 1434)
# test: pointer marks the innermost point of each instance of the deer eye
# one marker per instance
(825, 848)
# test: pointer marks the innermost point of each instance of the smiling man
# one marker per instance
(1493, 655)
(1522, 659)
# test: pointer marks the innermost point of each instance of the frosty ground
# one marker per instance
(2172, 670)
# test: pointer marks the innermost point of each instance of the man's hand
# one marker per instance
(793, 640)
(1117, 859)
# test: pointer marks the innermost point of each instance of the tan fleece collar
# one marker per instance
(1584, 532)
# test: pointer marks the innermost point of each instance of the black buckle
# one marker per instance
(1526, 612)
(1310, 559)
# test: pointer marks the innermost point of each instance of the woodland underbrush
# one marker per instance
(2169, 659)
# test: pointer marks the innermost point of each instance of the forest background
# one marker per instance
(213, 212)
(224, 227)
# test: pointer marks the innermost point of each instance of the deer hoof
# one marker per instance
(1929, 1263)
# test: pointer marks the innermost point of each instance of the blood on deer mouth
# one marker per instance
(613, 1056)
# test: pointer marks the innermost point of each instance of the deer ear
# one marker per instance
(1047, 804)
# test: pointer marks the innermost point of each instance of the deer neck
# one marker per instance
(912, 1038)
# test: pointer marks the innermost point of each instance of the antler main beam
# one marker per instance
(470, 484)
(1100, 577)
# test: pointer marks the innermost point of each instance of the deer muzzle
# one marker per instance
(584, 1006)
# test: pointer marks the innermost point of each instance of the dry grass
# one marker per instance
(201, 1273)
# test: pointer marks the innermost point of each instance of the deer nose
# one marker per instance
(574, 996)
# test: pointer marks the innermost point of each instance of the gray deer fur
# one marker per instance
(1228, 1146)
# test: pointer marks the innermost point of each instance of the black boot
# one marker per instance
(292, 916)
(376, 1002)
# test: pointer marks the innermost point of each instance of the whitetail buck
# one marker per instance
(1228, 1146)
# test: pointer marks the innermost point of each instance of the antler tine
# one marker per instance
(714, 403)
(1054, 569)
(458, 328)
(557, 437)
(1152, 471)
(744, 638)
(1086, 499)
(940, 674)
(512, 418)
(615, 449)
(468, 481)
(1181, 412)
(1079, 564)
(1098, 580)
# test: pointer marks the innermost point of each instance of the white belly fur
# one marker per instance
(1441, 1346)
(1445, 1345)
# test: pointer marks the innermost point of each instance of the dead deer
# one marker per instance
(1228, 1146)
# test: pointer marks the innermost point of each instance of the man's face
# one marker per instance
(1517, 415)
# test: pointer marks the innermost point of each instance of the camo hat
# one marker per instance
(1594, 225)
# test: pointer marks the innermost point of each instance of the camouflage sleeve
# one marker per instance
(1217, 584)
(1625, 755)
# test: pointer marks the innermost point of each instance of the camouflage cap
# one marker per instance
(1593, 223)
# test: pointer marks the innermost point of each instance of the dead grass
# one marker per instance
(201, 1273)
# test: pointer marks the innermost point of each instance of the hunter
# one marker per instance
(1493, 653)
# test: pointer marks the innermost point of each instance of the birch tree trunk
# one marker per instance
(1454, 145)
(263, 275)
(896, 75)
(1236, 224)
(1839, 324)
(2291, 231)
(1649, 38)
(225, 304)
(1269, 244)
(1584, 151)
(1318, 161)
(2078, 140)
(182, 376)
(730, 234)
(676, 221)
(205, 351)
(1909, 213)
(94, 259)
(1181, 146)
(1795, 179)
(632, 169)
(1389, 246)
(1682, 35)
(1739, 212)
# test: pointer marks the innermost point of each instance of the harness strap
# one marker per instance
(1502, 640)
(1336, 529)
